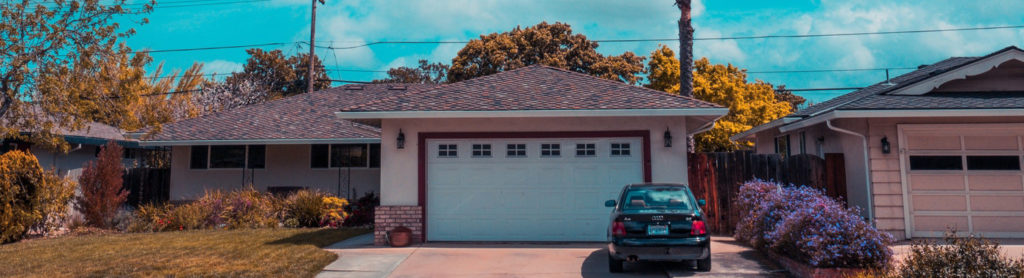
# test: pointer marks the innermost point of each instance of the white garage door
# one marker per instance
(526, 189)
(964, 177)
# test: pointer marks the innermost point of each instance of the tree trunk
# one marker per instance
(685, 49)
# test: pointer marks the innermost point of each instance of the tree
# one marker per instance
(54, 41)
(219, 96)
(750, 104)
(426, 73)
(102, 190)
(286, 75)
(781, 94)
(546, 44)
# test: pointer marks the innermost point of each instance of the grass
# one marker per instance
(245, 252)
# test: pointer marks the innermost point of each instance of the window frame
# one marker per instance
(209, 156)
(448, 151)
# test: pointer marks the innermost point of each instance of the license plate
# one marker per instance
(657, 230)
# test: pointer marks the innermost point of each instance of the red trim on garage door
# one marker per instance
(645, 136)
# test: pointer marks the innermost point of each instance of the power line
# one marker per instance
(213, 47)
(716, 38)
(822, 89)
(831, 70)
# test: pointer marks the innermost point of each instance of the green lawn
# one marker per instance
(246, 252)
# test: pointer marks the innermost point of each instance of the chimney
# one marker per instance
(685, 49)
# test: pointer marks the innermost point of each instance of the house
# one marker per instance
(280, 145)
(526, 155)
(939, 147)
(85, 145)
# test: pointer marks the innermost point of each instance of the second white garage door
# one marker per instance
(526, 189)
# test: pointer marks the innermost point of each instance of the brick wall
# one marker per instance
(390, 217)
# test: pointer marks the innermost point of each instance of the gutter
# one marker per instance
(704, 128)
(867, 168)
(260, 142)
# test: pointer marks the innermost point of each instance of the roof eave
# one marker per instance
(714, 112)
(902, 113)
(260, 142)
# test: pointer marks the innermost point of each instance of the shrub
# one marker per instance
(959, 257)
(29, 196)
(334, 213)
(803, 223)
(101, 183)
(305, 208)
(361, 213)
(246, 208)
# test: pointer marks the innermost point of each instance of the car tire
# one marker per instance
(614, 265)
(704, 264)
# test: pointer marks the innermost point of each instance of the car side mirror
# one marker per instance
(701, 202)
(609, 203)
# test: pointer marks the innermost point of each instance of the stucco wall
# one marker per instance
(286, 165)
(399, 179)
(66, 165)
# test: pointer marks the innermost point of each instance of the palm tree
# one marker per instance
(685, 49)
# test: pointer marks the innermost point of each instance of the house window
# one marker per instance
(447, 150)
(198, 157)
(481, 150)
(232, 156)
(550, 150)
(349, 155)
(515, 150)
(993, 162)
(586, 149)
(782, 145)
(936, 162)
(803, 142)
(257, 157)
(620, 149)
(344, 156)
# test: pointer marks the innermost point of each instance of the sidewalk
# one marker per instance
(358, 258)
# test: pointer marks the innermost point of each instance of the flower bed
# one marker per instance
(803, 224)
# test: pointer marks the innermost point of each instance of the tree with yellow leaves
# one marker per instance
(750, 104)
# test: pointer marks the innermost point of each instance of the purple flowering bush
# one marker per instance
(807, 225)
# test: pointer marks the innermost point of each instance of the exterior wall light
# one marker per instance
(885, 145)
(400, 142)
(668, 138)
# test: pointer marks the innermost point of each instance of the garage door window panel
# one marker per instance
(447, 150)
(620, 149)
(515, 150)
(481, 150)
(993, 162)
(936, 162)
(586, 149)
(550, 150)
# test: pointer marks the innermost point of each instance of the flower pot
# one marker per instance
(400, 237)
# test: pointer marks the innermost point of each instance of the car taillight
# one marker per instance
(618, 228)
(698, 228)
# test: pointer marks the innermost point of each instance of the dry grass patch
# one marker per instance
(244, 252)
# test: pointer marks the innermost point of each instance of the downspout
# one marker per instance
(704, 128)
(867, 168)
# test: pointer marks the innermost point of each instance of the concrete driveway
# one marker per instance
(729, 259)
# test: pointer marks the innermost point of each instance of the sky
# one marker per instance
(355, 22)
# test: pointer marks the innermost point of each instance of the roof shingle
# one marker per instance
(532, 88)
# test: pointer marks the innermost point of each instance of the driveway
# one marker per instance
(729, 259)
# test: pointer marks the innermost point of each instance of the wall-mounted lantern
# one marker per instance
(400, 142)
(668, 138)
(885, 145)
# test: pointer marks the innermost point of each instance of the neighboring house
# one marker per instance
(524, 155)
(294, 142)
(85, 145)
(936, 148)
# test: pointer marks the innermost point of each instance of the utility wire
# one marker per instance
(830, 70)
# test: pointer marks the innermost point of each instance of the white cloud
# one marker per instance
(221, 67)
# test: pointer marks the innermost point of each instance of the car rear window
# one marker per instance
(657, 198)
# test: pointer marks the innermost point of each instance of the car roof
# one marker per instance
(659, 185)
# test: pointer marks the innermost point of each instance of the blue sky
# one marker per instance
(353, 22)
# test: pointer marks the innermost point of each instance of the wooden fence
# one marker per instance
(147, 185)
(717, 177)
